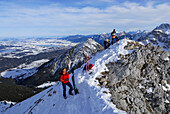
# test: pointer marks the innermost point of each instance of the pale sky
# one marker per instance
(33, 18)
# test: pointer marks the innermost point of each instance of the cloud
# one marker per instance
(109, 1)
(56, 19)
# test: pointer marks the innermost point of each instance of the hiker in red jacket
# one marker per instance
(64, 78)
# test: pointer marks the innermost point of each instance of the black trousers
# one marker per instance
(116, 39)
(64, 88)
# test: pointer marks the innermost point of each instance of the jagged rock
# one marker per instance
(164, 55)
(132, 45)
(122, 105)
(104, 83)
(102, 79)
(136, 81)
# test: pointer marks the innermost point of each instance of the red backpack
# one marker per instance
(90, 66)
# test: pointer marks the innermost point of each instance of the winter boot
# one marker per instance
(65, 97)
(70, 92)
(76, 91)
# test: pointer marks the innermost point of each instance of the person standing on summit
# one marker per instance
(113, 34)
(64, 78)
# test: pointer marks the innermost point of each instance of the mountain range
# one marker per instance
(158, 36)
(124, 70)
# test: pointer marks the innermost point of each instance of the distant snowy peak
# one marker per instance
(158, 36)
(89, 43)
(163, 28)
(122, 33)
(138, 32)
(138, 35)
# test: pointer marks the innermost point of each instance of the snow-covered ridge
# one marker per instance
(92, 98)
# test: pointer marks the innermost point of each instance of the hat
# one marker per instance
(107, 40)
(113, 33)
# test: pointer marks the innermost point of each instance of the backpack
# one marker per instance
(107, 40)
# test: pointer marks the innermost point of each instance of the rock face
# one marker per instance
(72, 59)
(139, 82)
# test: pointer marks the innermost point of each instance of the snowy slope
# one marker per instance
(5, 104)
(92, 98)
(23, 71)
(47, 84)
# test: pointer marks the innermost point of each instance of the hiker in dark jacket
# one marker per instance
(113, 34)
(106, 43)
(64, 78)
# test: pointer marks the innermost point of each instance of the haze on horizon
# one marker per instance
(29, 18)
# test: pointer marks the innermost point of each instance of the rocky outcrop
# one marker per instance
(139, 83)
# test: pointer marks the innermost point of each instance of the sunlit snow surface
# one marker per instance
(5, 104)
(47, 84)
